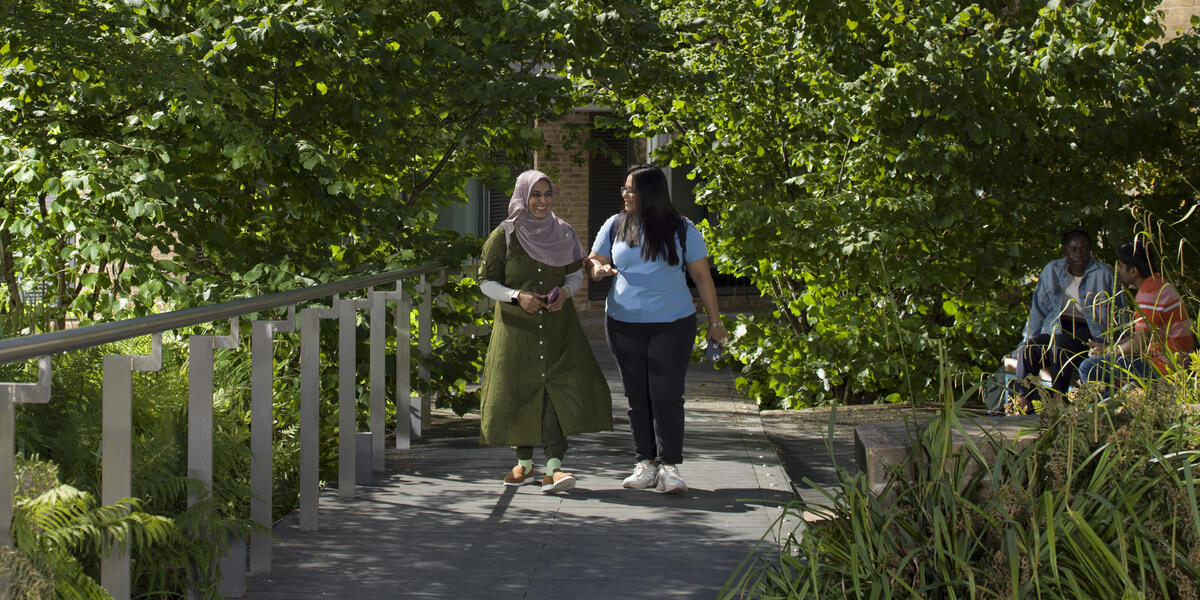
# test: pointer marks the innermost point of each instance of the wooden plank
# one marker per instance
(440, 524)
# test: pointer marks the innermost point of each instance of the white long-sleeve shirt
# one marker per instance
(502, 293)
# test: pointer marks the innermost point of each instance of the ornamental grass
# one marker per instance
(1102, 505)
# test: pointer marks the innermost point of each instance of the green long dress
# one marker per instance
(531, 355)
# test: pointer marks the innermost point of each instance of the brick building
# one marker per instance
(1177, 15)
(587, 185)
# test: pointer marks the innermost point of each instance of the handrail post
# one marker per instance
(116, 453)
(262, 427)
(310, 422)
(200, 425)
(404, 414)
(424, 345)
(200, 403)
(347, 396)
(378, 383)
(12, 394)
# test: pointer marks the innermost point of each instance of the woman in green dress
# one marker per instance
(540, 382)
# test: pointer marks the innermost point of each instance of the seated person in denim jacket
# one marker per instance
(1071, 310)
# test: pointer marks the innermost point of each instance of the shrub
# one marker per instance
(1102, 505)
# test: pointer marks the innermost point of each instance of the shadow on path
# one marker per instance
(439, 524)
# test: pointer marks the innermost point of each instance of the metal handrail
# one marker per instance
(117, 395)
(55, 342)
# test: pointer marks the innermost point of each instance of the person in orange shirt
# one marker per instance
(1162, 332)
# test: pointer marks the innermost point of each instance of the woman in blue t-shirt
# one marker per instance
(651, 317)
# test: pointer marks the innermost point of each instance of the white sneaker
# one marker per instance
(645, 473)
(669, 481)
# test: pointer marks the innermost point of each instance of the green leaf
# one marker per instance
(950, 307)
(321, 87)
(254, 273)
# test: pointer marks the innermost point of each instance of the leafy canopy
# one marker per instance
(195, 150)
(892, 173)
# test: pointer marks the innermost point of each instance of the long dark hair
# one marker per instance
(654, 219)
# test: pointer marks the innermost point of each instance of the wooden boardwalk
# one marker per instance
(439, 524)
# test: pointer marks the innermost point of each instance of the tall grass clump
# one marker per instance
(1103, 504)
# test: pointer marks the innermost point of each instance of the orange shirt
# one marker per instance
(1162, 314)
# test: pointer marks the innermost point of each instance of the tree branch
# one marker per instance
(95, 291)
(470, 123)
(428, 181)
(776, 289)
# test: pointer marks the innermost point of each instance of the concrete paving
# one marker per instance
(439, 524)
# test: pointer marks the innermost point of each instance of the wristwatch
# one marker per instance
(516, 300)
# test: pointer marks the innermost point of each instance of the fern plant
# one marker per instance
(57, 528)
(186, 556)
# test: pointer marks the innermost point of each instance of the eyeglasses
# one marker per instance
(540, 195)
(627, 191)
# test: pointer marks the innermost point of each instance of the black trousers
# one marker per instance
(653, 358)
(1059, 354)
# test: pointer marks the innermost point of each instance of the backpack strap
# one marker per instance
(612, 232)
(681, 231)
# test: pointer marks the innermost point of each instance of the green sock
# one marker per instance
(552, 464)
(526, 464)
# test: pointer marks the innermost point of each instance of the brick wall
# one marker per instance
(1178, 15)
(567, 163)
(568, 166)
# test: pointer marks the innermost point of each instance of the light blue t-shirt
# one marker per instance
(648, 292)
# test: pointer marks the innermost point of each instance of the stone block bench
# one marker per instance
(879, 446)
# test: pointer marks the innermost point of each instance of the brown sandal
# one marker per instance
(518, 476)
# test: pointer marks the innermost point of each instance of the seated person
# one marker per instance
(1162, 331)
(1070, 311)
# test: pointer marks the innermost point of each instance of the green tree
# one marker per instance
(158, 154)
(199, 150)
(892, 173)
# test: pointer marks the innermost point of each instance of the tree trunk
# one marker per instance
(16, 307)
(60, 301)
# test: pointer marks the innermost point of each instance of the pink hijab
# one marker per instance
(550, 241)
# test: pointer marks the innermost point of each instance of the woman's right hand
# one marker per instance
(531, 302)
(601, 270)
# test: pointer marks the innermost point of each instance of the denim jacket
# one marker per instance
(1098, 297)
